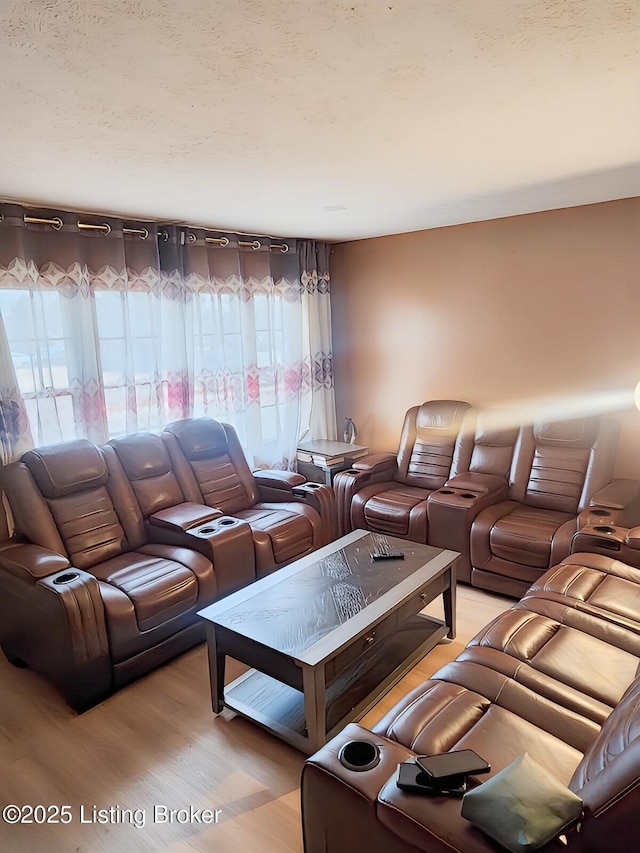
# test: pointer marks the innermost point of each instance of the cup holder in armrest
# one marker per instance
(446, 492)
(359, 755)
(67, 577)
(208, 529)
(301, 491)
(468, 495)
(604, 528)
(599, 512)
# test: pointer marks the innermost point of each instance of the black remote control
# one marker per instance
(387, 555)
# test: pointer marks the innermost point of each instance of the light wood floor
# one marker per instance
(156, 743)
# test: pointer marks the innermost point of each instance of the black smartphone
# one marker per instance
(461, 762)
(411, 777)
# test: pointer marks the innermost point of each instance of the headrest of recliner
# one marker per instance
(142, 455)
(441, 414)
(490, 431)
(199, 438)
(62, 469)
(578, 432)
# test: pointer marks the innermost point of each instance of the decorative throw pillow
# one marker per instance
(522, 807)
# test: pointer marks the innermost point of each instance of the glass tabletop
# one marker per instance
(304, 603)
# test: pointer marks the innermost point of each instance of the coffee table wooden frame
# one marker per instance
(308, 698)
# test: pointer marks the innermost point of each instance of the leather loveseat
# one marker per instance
(115, 551)
(555, 676)
(508, 497)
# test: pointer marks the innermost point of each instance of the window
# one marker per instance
(41, 353)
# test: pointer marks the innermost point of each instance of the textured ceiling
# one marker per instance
(333, 120)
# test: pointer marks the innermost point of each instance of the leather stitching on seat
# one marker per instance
(390, 731)
(464, 692)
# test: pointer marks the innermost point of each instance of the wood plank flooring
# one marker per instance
(154, 747)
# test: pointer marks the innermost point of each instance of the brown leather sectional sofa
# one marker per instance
(509, 497)
(118, 547)
(555, 676)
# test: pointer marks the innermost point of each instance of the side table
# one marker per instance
(319, 461)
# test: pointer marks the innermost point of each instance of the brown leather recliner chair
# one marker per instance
(89, 600)
(388, 493)
(558, 469)
(288, 517)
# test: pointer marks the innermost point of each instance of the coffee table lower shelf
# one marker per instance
(280, 708)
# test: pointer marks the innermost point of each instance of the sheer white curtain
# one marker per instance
(113, 329)
(90, 327)
(260, 341)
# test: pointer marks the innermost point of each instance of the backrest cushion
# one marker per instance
(560, 461)
(218, 464)
(72, 477)
(145, 460)
(429, 434)
(493, 445)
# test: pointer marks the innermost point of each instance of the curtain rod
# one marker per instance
(56, 223)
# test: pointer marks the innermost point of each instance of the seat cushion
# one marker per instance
(526, 534)
(441, 716)
(391, 511)
(158, 587)
(289, 530)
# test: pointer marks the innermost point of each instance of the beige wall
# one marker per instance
(539, 308)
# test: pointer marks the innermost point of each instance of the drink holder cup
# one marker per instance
(359, 755)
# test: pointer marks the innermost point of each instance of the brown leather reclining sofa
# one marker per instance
(510, 498)
(556, 676)
(117, 547)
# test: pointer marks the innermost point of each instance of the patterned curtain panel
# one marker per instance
(114, 329)
(257, 357)
(318, 410)
(15, 432)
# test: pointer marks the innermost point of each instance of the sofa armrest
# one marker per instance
(382, 464)
(373, 468)
(492, 486)
(30, 562)
(617, 494)
(339, 804)
(184, 516)
(451, 511)
(281, 486)
(228, 543)
(55, 623)
(615, 505)
(632, 539)
(273, 479)
(277, 485)
(322, 498)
